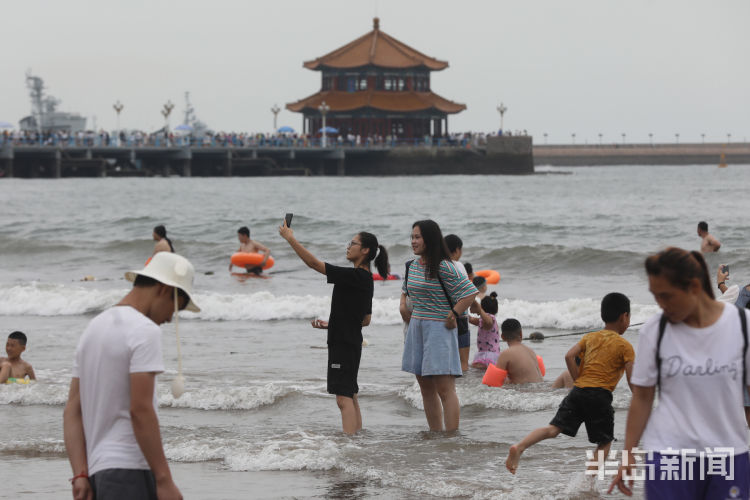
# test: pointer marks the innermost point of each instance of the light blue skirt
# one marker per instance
(431, 349)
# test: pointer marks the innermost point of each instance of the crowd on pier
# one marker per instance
(161, 138)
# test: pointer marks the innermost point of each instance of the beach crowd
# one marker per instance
(694, 355)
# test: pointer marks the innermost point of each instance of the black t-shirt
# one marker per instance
(350, 303)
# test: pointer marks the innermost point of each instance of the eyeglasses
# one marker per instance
(352, 243)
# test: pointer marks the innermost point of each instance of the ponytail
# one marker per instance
(679, 267)
(381, 262)
(376, 252)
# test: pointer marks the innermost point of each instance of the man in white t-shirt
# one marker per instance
(110, 423)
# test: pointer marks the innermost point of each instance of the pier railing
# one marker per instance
(98, 141)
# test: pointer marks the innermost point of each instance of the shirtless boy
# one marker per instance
(518, 360)
(605, 356)
(13, 366)
(250, 246)
(708, 242)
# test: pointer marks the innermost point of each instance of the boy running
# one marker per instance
(605, 355)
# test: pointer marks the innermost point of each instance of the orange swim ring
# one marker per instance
(492, 276)
(244, 259)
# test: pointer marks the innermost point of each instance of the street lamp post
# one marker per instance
(651, 138)
(502, 109)
(573, 136)
(118, 108)
(600, 138)
(275, 110)
(729, 138)
(677, 138)
(545, 138)
(166, 110)
(703, 138)
(324, 109)
(623, 137)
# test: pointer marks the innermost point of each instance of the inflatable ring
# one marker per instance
(492, 276)
(377, 277)
(494, 376)
(13, 380)
(542, 369)
(245, 259)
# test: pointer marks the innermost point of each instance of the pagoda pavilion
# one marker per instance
(376, 86)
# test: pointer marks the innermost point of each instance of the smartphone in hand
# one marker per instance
(725, 269)
(288, 219)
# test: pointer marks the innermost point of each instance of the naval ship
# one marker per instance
(44, 115)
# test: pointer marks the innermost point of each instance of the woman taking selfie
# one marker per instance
(351, 307)
(439, 294)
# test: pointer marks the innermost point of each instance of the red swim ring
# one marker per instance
(377, 277)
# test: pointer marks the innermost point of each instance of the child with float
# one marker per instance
(488, 336)
(13, 369)
(518, 364)
(605, 355)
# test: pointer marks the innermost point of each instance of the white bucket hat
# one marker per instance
(172, 270)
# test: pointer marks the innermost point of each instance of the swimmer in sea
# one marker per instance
(708, 242)
(250, 246)
(13, 367)
(163, 244)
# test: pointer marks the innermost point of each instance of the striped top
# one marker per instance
(427, 295)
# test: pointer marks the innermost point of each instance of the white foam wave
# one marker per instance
(296, 450)
(528, 398)
(35, 393)
(570, 314)
(37, 446)
(41, 299)
(224, 397)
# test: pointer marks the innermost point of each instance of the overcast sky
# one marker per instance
(560, 66)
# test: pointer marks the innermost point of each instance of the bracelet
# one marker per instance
(78, 476)
(720, 285)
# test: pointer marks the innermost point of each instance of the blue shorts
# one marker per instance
(708, 487)
(431, 349)
(464, 340)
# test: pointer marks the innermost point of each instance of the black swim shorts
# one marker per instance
(343, 366)
(589, 405)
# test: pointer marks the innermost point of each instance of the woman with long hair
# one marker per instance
(439, 294)
(351, 308)
(163, 244)
(695, 353)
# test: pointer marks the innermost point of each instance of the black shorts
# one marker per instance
(123, 484)
(343, 366)
(589, 405)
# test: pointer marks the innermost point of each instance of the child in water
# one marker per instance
(488, 337)
(13, 367)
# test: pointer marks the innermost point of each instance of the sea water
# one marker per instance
(255, 420)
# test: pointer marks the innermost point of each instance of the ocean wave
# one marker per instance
(34, 393)
(225, 397)
(40, 299)
(43, 446)
(527, 398)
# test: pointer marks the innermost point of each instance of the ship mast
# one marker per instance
(36, 91)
